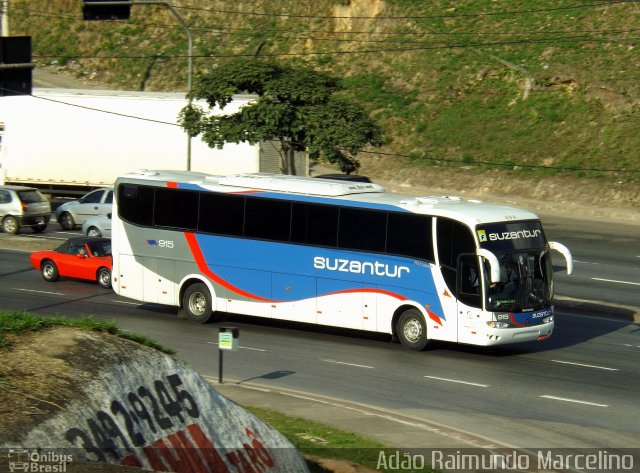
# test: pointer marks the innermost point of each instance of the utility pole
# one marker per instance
(93, 4)
(4, 17)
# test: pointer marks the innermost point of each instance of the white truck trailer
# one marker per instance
(69, 141)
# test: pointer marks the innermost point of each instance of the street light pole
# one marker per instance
(4, 18)
(189, 63)
(189, 53)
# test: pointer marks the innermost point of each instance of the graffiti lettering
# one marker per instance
(190, 450)
(106, 434)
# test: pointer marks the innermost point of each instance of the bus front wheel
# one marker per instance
(196, 302)
(411, 330)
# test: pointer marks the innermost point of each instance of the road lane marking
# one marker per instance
(585, 262)
(458, 381)
(348, 364)
(213, 380)
(125, 302)
(566, 399)
(244, 348)
(40, 292)
(4, 248)
(585, 365)
(43, 237)
(619, 282)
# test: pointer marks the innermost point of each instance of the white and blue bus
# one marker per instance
(336, 253)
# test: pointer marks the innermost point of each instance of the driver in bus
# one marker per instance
(507, 286)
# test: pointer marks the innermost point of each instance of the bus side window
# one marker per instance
(267, 219)
(410, 235)
(313, 224)
(221, 213)
(175, 208)
(454, 239)
(468, 287)
(135, 204)
(361, 229)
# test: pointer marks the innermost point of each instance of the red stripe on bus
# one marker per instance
(435, 317)
(513, 319)
(202, 266)
(377, 291)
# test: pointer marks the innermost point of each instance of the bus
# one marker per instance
(334, 253)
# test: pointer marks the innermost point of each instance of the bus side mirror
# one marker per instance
(494, 264)
(560, 248)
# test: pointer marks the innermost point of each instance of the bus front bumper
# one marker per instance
(503, 336)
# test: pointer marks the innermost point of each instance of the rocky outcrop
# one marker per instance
(98, 397)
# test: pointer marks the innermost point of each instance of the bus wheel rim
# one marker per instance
(197, 303)
(412, 330)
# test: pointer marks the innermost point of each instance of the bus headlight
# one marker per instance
(494, 324)
(547, 320)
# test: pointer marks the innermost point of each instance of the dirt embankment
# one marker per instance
(608, 198)
(615, 197)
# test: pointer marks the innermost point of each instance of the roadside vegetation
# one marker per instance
(13, 324)
(541, 89)
(313, 439)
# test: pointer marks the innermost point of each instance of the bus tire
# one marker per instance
(197, 303)
(411, 330)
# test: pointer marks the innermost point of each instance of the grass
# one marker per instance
(18, 323)
(313, 438)
(449, 78)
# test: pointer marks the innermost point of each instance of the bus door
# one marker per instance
(469, 287)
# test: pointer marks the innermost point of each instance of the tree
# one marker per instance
(295, 105)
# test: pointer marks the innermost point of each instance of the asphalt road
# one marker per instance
(578, 389)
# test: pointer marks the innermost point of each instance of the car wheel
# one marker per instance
(104, 278)
(93, 232)
(49, 271)
(66, 221)
(411, 330)
(10, 225)
(40, 228)
(196, 302)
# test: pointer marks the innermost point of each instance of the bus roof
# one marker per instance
(370, 195)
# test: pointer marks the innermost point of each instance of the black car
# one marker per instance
(344, 177)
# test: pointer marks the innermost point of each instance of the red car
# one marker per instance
(83, 258)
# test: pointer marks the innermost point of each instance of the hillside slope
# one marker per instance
(504, 92)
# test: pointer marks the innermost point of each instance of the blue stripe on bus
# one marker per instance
(286, 273)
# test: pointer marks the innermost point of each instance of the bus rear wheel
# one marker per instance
(411, 330)
(196, 302)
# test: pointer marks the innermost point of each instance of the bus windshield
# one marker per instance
(525, 282)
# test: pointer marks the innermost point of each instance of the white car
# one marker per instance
(98, 226)
(97, 202)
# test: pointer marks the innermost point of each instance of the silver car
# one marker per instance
(97, 202)
(23, 207)
(98, 226)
